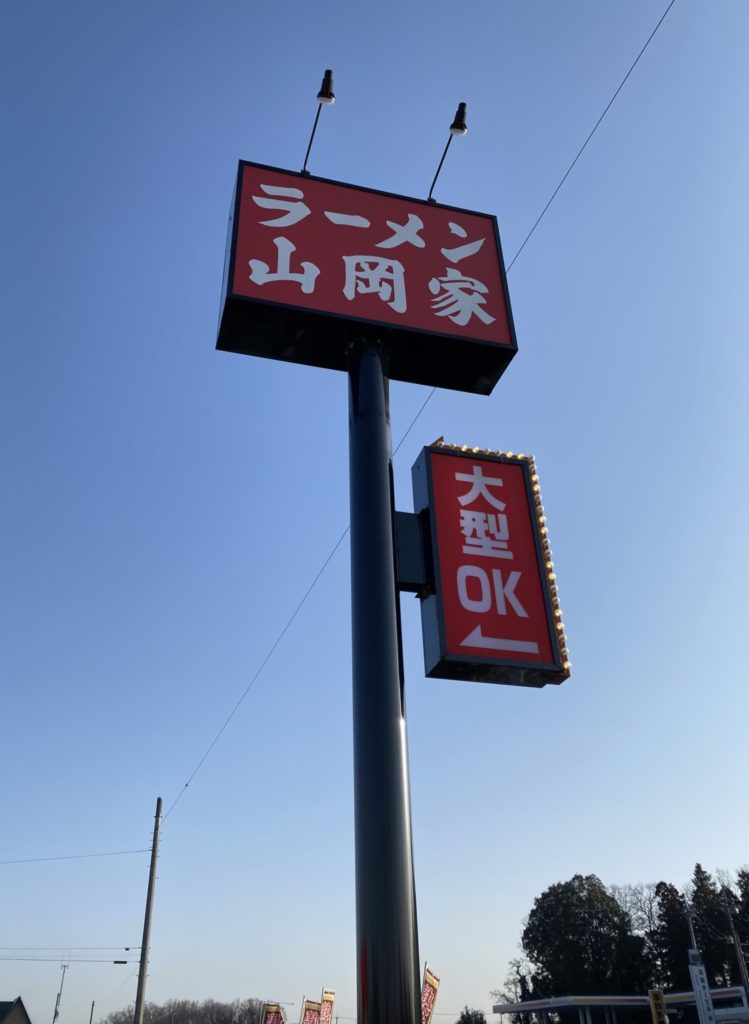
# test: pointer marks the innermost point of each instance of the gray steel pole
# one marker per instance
(739, 950)
(688, 913)
(386, 930)
(90, 1019)
(56, 1014)
(140, 996)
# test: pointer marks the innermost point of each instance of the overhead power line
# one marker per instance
(592, 132)
(340, 540)
(251, 683)
(32, 949)
(429, 397)
(338, 543)
(62, 959)
(108, 996)
(75, 856)
(281, 635)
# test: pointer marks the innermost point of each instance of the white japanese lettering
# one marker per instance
(295, 211)
(374, 275)
(408, 232)
(349, 220)
(459, 297)
(462, 252)
(260, 272)
(485, 534)
(480, 485)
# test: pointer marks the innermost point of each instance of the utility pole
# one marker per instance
(688, 915)
(700, 983)
(56, 1014)
(90, 1019)
(739, 950)
(140, 996)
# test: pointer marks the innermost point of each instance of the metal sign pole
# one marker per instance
(386, 931)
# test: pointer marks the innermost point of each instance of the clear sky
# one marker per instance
(165, 506)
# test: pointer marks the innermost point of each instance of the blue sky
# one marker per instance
(166, 505)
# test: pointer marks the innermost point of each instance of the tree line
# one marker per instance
(583, 938)
(580, 938)
(188, 1011)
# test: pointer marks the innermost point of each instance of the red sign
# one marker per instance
(310, 1012)
(326, 1006)
(429, 990)
(494, 614)
(314, 264)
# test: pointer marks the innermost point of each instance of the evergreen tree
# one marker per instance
(711, 927)
(670, 940)
(580, 941)
(471, 1017)
(741, 919)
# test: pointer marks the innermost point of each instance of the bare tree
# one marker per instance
(639, 902)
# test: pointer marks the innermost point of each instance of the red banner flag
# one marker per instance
(310, 1012)
(273, 1013)
(428, 994)
(326, 1006)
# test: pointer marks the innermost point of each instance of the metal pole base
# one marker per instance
(386, 928)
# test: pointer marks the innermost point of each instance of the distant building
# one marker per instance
(14, 1013)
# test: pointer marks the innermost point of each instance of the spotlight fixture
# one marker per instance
(325, 96)
(458, 127)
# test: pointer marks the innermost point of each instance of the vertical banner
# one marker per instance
(702, 994)
(658, 1006)
(428, 994)
(310, 1012)
(273, 1013)
(326, 1005)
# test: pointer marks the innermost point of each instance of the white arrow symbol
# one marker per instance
(495, 643)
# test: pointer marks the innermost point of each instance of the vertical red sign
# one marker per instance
(326, 1006)
(494, 614)
(310, 1012)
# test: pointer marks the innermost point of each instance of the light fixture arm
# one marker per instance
(311, 138)
(444, 154)
(325, 97)
(458, 127)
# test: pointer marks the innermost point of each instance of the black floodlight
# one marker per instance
(458, 127)
(325, 96)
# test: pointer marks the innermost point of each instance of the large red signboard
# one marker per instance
(313, 264)
(494, 614)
